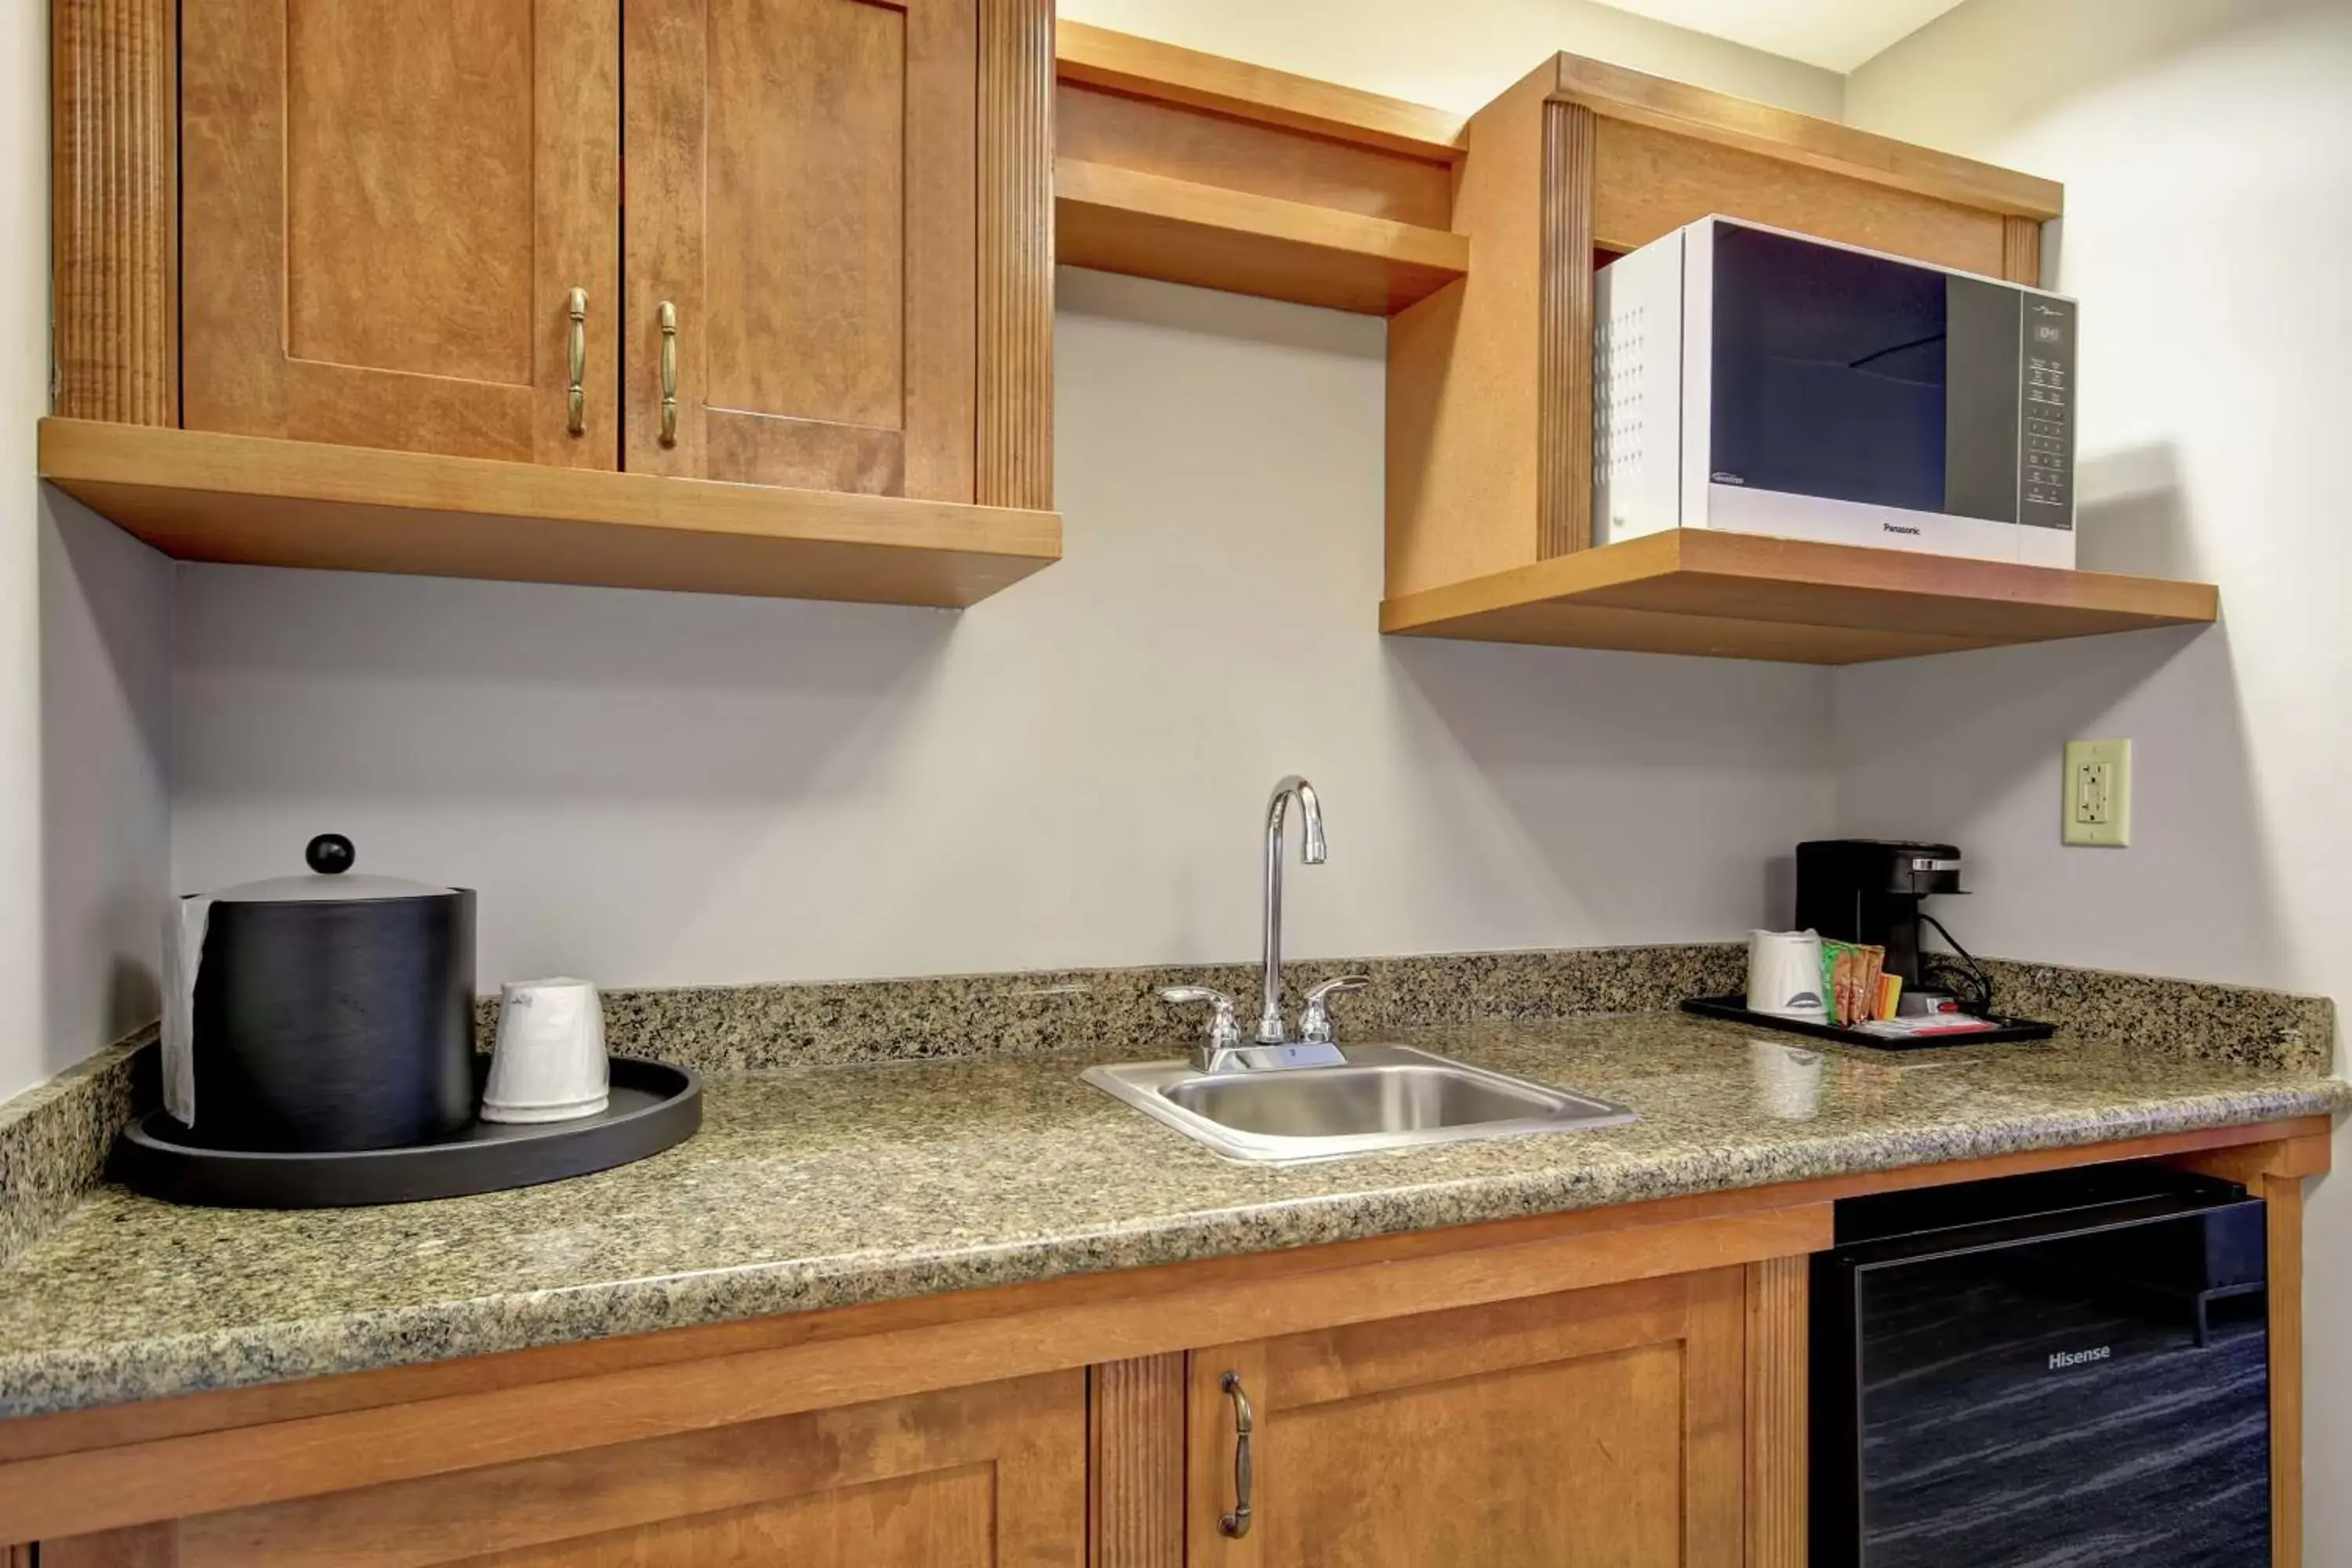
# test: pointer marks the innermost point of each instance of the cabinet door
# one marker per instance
(1600, 1428)
(971, 1478)
(802, 216)
(385, 206)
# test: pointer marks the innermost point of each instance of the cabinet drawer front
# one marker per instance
(964, 1478)
(804, 195)
(1597, 1426)
(387, 204)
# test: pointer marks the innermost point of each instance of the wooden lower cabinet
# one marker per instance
(971, 1477)
(1594, 1427)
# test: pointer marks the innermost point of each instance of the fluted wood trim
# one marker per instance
(1135, 1479)
(1776, 1437)
(1564, 393)
(114, 209)
(2020, 250)
(1015, 448)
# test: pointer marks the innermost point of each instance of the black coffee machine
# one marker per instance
(1868, 891)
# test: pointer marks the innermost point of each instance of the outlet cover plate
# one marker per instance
(2097, 811)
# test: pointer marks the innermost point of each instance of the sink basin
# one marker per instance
(1384, 1096)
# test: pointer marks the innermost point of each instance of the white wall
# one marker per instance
(655, 789)
(2207, 154)
(1459, 56)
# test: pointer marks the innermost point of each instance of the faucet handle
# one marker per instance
(1225, 1028)
(1315, 1018)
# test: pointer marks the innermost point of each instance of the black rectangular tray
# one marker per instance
(2007, 1030)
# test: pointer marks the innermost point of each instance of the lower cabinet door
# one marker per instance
(1597, 1428)
(971, 1477)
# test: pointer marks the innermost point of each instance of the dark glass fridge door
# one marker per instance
(2082, 1397)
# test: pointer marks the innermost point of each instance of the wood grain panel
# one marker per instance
(1014, 456)
(1101, 58)
(142, 1546)
(1154, 137)
(1135, 1475)
(253, 500)
(804, 197)
(477, 144)
(1463, 394)
(114, 189)
(1747, 596)
(1649, 181)
(408, 134)
(1719, 118)
(1778, 1340)
(1564, 369)
(2020, 250)
(984, 1475)
(1149, 226)
(1598, 1427)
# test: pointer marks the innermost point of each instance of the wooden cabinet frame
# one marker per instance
(114, 439)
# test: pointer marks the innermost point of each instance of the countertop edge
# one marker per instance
(285, 1351)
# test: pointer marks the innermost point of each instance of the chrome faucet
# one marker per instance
(1312, 851)
(1223, 1050)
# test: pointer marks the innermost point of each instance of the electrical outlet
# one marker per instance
(2097, 808)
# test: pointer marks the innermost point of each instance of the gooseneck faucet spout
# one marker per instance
(1312, 851)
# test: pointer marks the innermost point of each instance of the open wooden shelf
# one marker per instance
(1122, 220)
(256, 500)
(1734, 595)
(1192, 168)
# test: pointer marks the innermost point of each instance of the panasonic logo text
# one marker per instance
(1899, 528)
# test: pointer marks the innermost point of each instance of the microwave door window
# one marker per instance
(1830, 372)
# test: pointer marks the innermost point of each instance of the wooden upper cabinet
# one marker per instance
(1600, 1428)
(803, 228)
(386, 207)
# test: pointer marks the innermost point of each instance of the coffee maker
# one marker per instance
(1868, 891)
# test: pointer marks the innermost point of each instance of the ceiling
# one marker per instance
(1837, 35)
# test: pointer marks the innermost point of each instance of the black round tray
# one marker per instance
(654, 1106)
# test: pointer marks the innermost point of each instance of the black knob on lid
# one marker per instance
(330, 854)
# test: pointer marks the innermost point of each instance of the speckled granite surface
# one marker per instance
(54, 1138)
(820, 1186)
(723, 1028)
(2223, 1023)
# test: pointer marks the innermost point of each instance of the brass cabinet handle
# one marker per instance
(577, 423)
(669, 374)
(1237, 1523)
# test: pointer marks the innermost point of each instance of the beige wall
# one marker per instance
(1458, 56)
(2207, 154)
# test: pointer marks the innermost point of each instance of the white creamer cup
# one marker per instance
(1784, 974)
(550, 1062)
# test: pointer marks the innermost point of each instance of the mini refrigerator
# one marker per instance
(2069, 1369)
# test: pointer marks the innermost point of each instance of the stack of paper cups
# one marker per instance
(550, 1064)
(1784, 974)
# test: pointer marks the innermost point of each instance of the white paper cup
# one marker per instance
(1784, 974)
(550, 1064)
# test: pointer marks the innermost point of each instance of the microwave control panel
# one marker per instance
(2045, 479)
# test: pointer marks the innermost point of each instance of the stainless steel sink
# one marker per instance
(1383, 1097)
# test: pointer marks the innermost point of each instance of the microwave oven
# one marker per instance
(1757, 380)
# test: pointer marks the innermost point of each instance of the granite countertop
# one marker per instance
(814, 1187)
